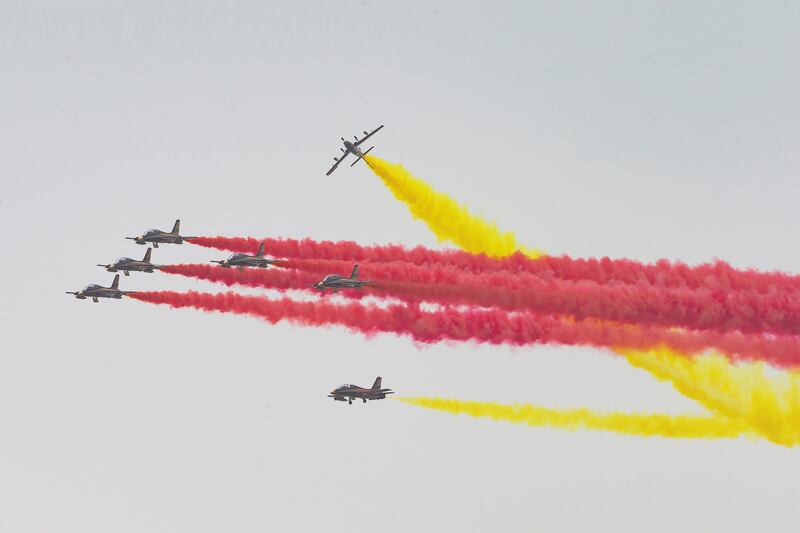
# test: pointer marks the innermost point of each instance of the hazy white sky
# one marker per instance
(628, 129)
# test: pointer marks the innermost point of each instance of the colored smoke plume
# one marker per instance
(715, 277)
(483, 326)
(766, 400)
(777, 350)
(674, 426)
(725, 391)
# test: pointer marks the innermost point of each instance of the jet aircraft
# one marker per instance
(94, 291)
(128, 265)
(350, 392)
(243, 260)
(156, 236)
(336, 282)
(355, 149)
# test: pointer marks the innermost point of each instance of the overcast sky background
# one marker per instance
(627, 129)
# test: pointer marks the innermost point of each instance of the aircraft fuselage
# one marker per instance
(353, 149)
(348, 393)
(131, 265)
(98, 292)
(156, 238)
(337, 283)
(247, 261)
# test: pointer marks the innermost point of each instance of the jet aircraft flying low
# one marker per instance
(355, 149)
(94, 291)
(336, 282)
(243, 260)
(128, 265)
(156, 236)
(348, 393)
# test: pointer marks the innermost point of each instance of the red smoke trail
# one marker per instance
(717, 276)
(279, 279)
(272, 278)
(486, 326)
(635, 304)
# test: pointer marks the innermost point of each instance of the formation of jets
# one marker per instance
(128, 265)
(334, 282)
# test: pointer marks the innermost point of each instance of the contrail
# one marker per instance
(780, 351)
(714, 277)
(678, 426)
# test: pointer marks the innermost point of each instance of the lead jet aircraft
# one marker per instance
(156, 236)
(354, 148)
(336, 282)
(243, 260)
(348, 392)
(128, 265)
(96, 291)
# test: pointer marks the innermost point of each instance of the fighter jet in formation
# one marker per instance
(350, 392)
(156, 236)
(94, 291)
(128, 265)
(336, 282)
(355, 149)
(243, 260)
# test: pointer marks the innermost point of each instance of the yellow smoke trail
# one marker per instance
(685, 427)
(448, 220)
(765, 399)
(740, 393)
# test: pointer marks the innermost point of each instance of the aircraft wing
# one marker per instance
(370, 134)
(328, 173)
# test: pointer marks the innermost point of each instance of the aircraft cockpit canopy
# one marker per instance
(91, 286)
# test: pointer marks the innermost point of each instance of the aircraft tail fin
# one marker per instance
(354, 274)
(115, 284)
(147, 255)
(177, 227)
(356, 161)
(377, 384)
(260, 252)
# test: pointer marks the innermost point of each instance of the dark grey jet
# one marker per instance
(355, 149)
(128, 265)
(243, 260)
(96, 291)
(347, 393)
(336, 282)
(156, 236)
